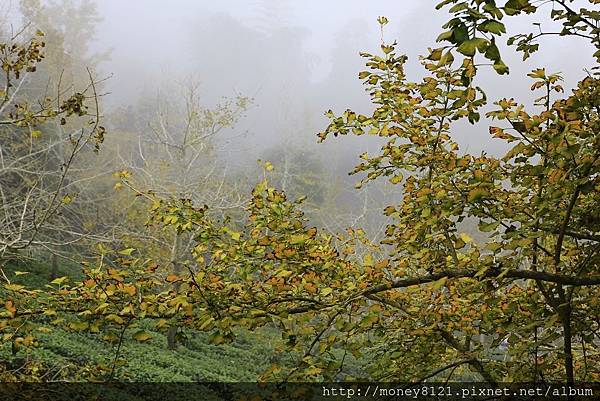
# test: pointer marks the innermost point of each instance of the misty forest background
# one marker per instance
(199, 102)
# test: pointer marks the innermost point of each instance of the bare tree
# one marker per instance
(42, 134)
(180, 155)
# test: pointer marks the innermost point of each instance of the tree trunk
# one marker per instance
(565, 316)
(171, 342)
(54, 267)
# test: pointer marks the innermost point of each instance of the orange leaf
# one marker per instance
(10, 306)
(129, 289)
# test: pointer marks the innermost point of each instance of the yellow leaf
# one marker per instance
(127, 251)
(313, 370)
(439, 283)
(396, 179)
(382, 20)
(17, 273)
(298, 239)
(13, 287)
(368, 260)
(206, 323)
(142, 336)
(466, 238)
(115, 318)
(59, 280)
(200, 276)
(284, 273)
(78, 326)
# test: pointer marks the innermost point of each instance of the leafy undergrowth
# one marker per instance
(73, 356)
(36, 273)
(61, 352)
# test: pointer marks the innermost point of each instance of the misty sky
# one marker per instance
(152, 31)
(296, 58)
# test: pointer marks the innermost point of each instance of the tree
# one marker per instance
(520, 305)
(297, 172)
(35, 169)
(180, 158)
(533, 274)
(44, 160)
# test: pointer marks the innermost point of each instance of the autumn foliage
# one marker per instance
(514, 299)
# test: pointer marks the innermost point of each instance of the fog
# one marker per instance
(291, 57)
(294, 60)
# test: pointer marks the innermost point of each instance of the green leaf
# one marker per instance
(142, 336)
(447, 58)
(459, 7)
(216, 339)
(492, 52)
(481, 44)
(447, 35)
(460, 34)
(439, 283)
(487, 227)
(491, 26)
(205, 325)
(443, 3)
(500, 67)
(477, 194)
(493, 246)
(436, 54)
(468, 47)
(369, 320)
